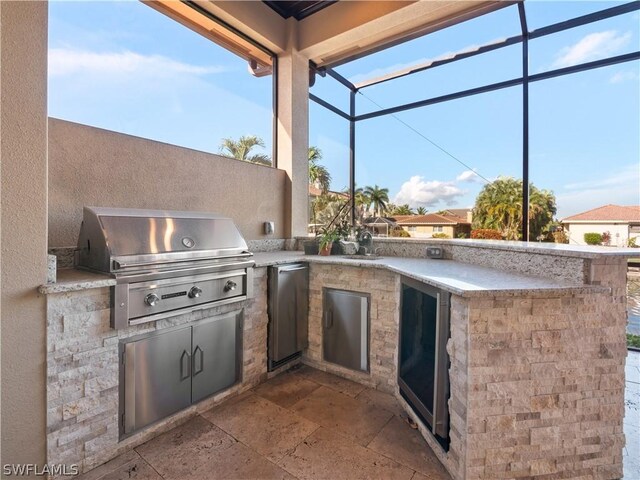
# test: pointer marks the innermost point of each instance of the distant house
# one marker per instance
(424, 226)
(465, 213)
(622, 222)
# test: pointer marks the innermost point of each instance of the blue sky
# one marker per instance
(125, 67)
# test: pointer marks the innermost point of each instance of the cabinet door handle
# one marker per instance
(328, 319)
(196, 370)
(185, 366)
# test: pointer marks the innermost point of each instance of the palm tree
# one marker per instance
(378, 197)
(499, 206)
(402, 210)
(318, 174)
(421, 211)
(241, 149)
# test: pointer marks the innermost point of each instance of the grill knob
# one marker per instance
(151, 299)
(195, 292)
(230, 285)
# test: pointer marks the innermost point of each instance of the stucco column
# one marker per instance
(23, 157)
(293, 133)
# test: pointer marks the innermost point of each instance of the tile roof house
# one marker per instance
(622, 222)
(424, 226)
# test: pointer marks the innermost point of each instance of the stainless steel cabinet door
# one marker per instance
(288, 310)
(157, 377)
(216, 354)
(345, 333)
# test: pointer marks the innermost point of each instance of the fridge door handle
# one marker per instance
(328, 319)
(197, 351)
(185, 365)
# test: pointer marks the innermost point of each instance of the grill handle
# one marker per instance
(120, 264)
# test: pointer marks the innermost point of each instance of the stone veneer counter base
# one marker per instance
(537, 364)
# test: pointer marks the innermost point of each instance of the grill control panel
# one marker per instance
(150, 298)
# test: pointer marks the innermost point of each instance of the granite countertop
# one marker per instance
(460, 278)
(555, 249)
(72, 280)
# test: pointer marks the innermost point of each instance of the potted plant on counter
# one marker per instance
(311, 246)
(327, 237)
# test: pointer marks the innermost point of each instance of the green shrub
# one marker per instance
(486, 233)
(400, 232)
(440, 235)
(633, 340)
(632, 242)
(593, 238)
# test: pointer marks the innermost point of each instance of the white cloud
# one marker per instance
(620, 187)
(469, 176)
(65, 61)
(620, 77)
(591, 47)
(418, 192)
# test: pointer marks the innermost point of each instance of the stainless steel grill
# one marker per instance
(165, 262)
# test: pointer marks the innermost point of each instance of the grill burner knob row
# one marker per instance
(195, 292)
(151, 299)
(230, 285)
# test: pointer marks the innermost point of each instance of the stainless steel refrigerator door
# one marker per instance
(288, 310)
(157, 377)
(216, 356)
(345, 335)
(441, 390)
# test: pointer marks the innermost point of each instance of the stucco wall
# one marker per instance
(619, 232)
(91, 166)
(23, 149)
(427, 231)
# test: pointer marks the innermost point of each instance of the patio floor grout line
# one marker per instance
(147, 461)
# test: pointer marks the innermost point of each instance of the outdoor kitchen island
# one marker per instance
(537, 364)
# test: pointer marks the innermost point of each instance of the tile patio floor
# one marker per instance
(310, 424)
(631, 454)
(303, 424)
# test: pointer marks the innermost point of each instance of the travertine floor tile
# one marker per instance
(138, 469)
(236, 463)
(270, 430)
(180, 451)
(200, 450)
(286, 389)
(332, 409)
(342, 385)
(378, 399)
(328, 455)
(630, 455)
(406, 446)
(632, 373)
(419, 476)
(111, 466)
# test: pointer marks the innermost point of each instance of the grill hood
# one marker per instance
(115, 240)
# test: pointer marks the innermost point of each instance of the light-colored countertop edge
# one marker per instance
(462, 279)
(459, 278)
(72, 280)
(543, 248)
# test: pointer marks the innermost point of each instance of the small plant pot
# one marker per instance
(311, 247)
(326, 250)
